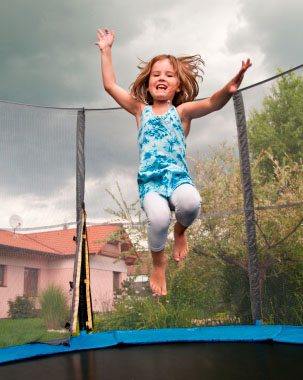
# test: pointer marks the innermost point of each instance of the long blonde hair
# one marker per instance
(187, 68)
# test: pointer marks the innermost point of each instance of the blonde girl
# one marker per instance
(162, 101)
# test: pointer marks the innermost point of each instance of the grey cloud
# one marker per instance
(47, 49)
(275, 27)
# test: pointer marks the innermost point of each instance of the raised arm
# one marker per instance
(122, 97)
(194, 110)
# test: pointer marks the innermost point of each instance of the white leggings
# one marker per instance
(185, 201)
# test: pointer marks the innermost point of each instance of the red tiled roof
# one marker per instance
(58, 242)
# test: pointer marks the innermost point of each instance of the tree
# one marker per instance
(278, 127)
(279, 230)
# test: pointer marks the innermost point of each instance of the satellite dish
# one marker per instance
(15, 222)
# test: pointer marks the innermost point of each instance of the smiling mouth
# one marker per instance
(161, 87)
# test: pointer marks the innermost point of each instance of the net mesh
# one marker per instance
(275, 119)
(37, 216)
(211, 287)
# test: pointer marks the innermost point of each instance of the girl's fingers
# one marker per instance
(106, 38)
(248, 63)
(100, 34)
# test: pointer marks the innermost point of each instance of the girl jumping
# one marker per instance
(161, 100)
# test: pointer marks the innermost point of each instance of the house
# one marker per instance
(29, 263)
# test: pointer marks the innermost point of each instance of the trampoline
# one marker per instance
(260, 334)
(232, 352)
(212, 361)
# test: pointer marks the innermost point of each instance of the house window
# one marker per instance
(116, 277)
(2, 275)
(30, 282)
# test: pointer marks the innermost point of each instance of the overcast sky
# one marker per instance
(48, 58)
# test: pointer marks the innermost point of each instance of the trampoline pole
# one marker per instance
(253, 270)
(80, 189)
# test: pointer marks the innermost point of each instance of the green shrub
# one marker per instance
(22, 307)
(193, 299)
(195, 285)
(139, 313)
(54, 308)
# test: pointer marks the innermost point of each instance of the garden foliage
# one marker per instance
(54, 307)
(22, 307)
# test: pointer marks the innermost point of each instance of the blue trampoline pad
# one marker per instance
(281, 334)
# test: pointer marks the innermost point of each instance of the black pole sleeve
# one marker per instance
(80, 182)
(250, 222)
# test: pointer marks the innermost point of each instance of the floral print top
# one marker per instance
(162, 151)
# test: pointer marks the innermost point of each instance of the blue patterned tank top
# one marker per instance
(162, 151)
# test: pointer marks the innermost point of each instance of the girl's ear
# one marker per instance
(179, 87)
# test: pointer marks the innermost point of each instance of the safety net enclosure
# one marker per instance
(68, 268)
(37, 191)
(275, 132)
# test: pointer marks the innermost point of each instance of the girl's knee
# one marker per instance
(187, 205)
(191, 205)
(157, 211)
(188, 214)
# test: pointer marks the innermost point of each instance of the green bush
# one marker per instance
(194, 298)
(195, 286)
(54, 308)
(22, 307)
(139, 313)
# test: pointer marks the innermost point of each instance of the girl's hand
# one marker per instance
(234, 84)
(105, 40)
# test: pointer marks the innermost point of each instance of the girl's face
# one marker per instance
(163, 81)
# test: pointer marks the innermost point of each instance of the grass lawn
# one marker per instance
(14, 332)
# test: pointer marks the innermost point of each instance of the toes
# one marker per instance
(155, 289)
(158, 291)
(184, 254)
(152, 287)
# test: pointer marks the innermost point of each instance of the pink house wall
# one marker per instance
(14, 286)
(102, 281)
(59, 271)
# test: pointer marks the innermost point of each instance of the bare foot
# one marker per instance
(181, 246)
(157, 278)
